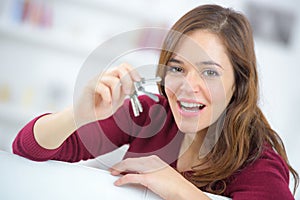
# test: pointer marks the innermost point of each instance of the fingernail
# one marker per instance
(116, 183)
(113, 172)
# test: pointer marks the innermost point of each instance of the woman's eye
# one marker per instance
(175, 69)
(210, 73)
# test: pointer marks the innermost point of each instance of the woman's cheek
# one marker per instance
(218, 98)
(172, 84)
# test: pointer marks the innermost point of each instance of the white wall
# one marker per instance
(35, 69)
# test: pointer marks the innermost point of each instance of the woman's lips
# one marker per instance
(190, 108)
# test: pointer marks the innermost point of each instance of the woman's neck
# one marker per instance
(189, 151)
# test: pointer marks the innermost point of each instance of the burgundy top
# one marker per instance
(155, 132)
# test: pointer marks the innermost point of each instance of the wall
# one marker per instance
(39, 66)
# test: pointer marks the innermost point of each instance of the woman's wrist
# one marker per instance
(191, 192)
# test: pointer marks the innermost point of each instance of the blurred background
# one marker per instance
(44, 44)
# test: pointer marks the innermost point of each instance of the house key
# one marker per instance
(138, 87)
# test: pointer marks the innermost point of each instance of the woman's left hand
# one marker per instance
(157, 176)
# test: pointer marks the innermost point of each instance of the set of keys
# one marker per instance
(139, 87)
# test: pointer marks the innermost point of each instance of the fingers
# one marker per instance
(139, 165)
(105, 93)
(132, 72)
(131, 165)
(109, 88)
(127, 75)
(115, 84)
(132, 179)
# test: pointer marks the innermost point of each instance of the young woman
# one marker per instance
(206, 133)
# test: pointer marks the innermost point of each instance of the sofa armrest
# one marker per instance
(25, 179)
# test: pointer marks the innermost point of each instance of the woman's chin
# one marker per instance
(189, 130)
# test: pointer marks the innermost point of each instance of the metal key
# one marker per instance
(136, 104)
(138, 87)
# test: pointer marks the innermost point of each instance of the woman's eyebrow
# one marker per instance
(209, 62)
(175, 61)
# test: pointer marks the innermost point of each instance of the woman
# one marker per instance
(209, 89)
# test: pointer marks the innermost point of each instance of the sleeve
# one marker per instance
(26, 146)
(87, 142)
(267, 178)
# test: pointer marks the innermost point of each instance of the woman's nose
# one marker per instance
(193, 82)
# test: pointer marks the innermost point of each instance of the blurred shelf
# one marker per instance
(134, 9)
(73, 41)
(51, 39)
(46, 37)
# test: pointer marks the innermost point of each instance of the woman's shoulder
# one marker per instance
(162, 100)
(156, 108)
(267, 177)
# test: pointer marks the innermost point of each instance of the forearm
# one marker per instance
(50, 131)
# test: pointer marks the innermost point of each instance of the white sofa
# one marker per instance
(25, 179)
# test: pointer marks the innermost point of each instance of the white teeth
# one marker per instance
(190, 105)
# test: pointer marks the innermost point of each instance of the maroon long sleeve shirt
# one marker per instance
(155, 132)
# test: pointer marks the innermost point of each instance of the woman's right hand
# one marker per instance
(104, 94)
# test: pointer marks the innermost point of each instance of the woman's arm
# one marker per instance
(50, 131)
(99, 100)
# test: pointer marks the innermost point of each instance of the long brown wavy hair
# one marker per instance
(246, 130)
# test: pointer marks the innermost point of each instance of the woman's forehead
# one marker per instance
(201, 46)
(189, 50)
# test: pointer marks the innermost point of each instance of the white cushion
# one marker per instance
(25, 179)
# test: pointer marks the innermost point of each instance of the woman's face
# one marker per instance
(199, 81)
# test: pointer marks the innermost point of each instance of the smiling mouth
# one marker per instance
(191, 107)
